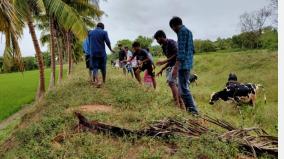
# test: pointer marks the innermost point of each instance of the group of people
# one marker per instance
(178, 64)
(139, 61)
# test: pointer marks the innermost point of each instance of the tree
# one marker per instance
(253, 24)
(204, 46)
(269, 38)
(274, 12)
(144, 41)
(254, 21)
(156, 50)
(27, 9)
(125, 42)
(66, 17)
(11, 25)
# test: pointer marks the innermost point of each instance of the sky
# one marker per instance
(127, 19)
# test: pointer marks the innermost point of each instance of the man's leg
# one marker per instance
(152, 74)
(95, 75)
(174, 90)
(90, 75)
(124, 69)
(88, 66)
(132, 72)
(103, 68)
(137, 75)
(154, 82)
(183, 78)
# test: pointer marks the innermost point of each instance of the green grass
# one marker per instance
(136, 106)
(18, 89)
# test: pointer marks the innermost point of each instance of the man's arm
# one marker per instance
(159, 63)
(107, 41)
(182, 39)
(161, 71)
(148, 59)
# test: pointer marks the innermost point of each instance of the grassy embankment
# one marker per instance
(135, 106)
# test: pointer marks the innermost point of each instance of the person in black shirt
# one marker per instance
(122, 58)
(169, 48)
(144, 63)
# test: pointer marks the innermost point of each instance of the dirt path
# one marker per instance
(26, 108)
(92, 108)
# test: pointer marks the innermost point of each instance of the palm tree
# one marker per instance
(89, 11)
(66, 16)
(11, 25)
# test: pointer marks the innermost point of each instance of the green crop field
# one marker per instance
(135, 107)
(17, 89)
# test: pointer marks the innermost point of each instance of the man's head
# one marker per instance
(136, 46)
(176, 23)
(161, 37)
(126, 48)
(119, 46)
(101, 25)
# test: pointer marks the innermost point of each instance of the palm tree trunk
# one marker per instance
(69, 54)
(41, 88)
(52, 53)
(60, 55)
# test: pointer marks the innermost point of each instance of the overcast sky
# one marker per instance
(126, 19)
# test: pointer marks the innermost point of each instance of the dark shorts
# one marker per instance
(87, 59)
(148, 66)
(98, 63)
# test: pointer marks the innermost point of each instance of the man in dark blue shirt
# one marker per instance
(184, 62)
(98, 38)
(170, 49)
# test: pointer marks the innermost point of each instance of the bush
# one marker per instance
(30, 63)
(204, 46)
(269, 39)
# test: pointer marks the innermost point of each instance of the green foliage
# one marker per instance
(30, 63)
(46, 59)
(223, 44)
(246, 40)
(156, 50)
(144, 41)
(269, 38)
(125, 42)
(204, 46)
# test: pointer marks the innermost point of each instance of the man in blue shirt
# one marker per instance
(86, 48)
(184, 61)
(98, 38)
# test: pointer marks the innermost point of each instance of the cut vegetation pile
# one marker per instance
(255, 139)
(155, 127)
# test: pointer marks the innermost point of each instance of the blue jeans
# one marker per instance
(183, 87)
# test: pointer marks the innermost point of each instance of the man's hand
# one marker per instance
(160, 73)
(159, 63)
